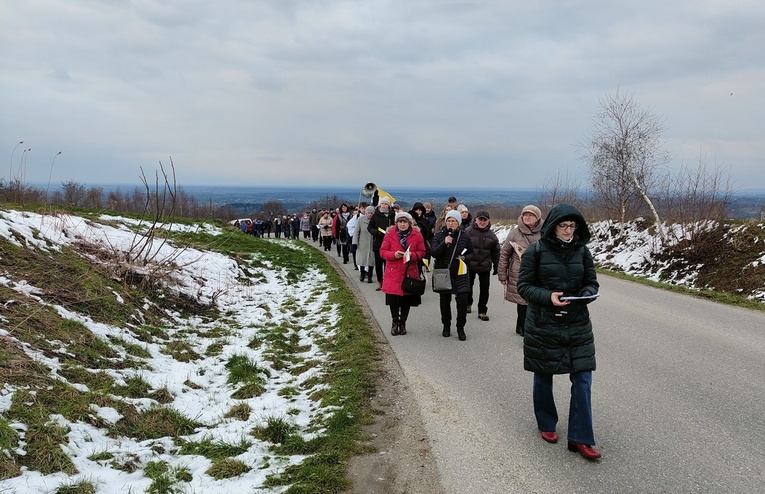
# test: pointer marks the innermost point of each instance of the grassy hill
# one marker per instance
(173, 357)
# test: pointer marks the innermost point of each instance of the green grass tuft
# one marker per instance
(226, 468)
(213, 450)
(78, 487)
(154, 423)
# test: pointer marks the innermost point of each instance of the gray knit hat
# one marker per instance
(404, 215)
(370, 209)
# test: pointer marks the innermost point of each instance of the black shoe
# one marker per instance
(447, 332)
(362, 276)
(394, 328)
(461, 334)
(402, 327)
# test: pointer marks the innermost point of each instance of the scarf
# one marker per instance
(403, 235)
(565, 243)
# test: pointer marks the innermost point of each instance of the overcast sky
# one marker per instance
(398, 92)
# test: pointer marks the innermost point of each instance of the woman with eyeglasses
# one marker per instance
(558, 334)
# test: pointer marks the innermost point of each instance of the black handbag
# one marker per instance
(411, 285)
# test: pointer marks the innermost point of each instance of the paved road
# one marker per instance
(678, 397)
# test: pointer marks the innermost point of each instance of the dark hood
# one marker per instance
(566, 212)
(417, 205)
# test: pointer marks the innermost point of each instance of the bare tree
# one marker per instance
(558, 189)
(272, 209)
(94, 197)
(74, 193)
(624, 151)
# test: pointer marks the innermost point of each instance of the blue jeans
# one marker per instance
(580, 408)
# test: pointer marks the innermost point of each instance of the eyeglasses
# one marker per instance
(566, 226)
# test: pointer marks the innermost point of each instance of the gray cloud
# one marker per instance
(343, 92)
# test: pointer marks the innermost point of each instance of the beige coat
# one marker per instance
(510, 262)
(325, 221)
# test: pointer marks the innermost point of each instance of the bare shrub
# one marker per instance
(146, 261)
(700, 193)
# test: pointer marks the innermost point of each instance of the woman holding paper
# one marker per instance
(453, 248)
(559, 338)
(527, 232)
(402, 248)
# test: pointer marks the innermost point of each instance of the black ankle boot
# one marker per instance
(461, 334)
(362, 275)
(402, 326)
(394, 328)
(447, 332)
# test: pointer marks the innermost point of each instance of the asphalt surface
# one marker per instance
(678, 396)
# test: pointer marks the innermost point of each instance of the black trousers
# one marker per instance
(326, 242)
(399, 309)
(445, 300)
(379, 265)
(484, 279)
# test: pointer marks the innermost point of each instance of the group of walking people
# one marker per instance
(541, 264)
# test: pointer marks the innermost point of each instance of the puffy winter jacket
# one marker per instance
(485, 248)
(443, 253)
(558, 340)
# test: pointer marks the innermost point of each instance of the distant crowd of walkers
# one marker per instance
(541, 264)
(287, 225)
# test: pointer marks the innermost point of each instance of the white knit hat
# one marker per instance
(454, 214)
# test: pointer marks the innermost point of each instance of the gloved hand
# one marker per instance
(587, 292)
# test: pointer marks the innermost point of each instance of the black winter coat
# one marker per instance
(378, 225)
(442, 253)
(558, 340)
(486, 249)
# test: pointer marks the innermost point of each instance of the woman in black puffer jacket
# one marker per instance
(453, 243)
(559, 338)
